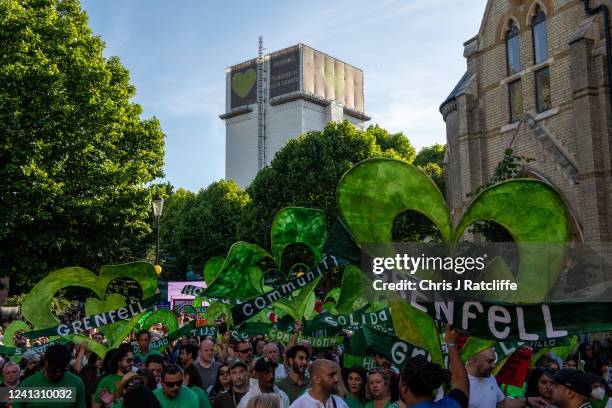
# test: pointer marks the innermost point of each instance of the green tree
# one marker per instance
(206, 224)
(306, 171)
(76, 159)
(173, 259)
(430, 154)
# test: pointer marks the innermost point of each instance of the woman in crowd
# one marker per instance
(356, 383)
(378, 389)
(90, 376)
(222, 382)
(540, 384)
(571, 362)
(192, 379)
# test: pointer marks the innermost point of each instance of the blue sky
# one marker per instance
(177, 53)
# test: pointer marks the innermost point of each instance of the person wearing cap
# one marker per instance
(484, 391)
(295, 383)
(572, 389)
(55, 375)
(239, 388)
(264, 369)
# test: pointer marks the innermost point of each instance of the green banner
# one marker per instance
(380, 319)
(367, 340)
(93, 321)
(248, 309)
(316, 342)
(534, 322)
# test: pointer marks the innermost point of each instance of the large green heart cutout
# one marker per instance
(37, 303)
(242, 82)
(374, 192)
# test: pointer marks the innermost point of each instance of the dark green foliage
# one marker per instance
(306, 171)
(76, 158)
(197, 227)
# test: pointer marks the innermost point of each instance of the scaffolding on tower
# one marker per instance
(261, 107)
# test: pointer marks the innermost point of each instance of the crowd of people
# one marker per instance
(257, 373)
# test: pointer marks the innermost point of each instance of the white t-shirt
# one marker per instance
(280, 372)
(307, 401)
(484, 392)
(254, 390)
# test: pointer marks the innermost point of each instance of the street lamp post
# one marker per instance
(158, 206)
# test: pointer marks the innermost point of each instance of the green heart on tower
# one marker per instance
(374, 192)
(332, 80)
(242, 82)
(36, 307)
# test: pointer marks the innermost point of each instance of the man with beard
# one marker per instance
(484, 391)
(295, 383)
(173, 393)
(264, 369)
(54, 375)
(240, 386)
(324, 380)
(572, 389)
(121, 364)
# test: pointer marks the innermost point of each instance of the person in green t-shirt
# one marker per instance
(108, 388)
(54, 375)
(356, 380)
(173, 393)
(144, 340)
(191, 379)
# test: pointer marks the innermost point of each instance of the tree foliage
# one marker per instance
(76, 158)
(197, 227)
(306, 171)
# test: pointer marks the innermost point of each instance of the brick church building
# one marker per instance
(538, 81)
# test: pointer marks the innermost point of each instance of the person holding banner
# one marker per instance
(420, 379)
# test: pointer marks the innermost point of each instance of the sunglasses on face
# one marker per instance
(173, 384)
(129, 360)
(243, 351)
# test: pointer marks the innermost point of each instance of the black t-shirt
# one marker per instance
(460, 397)
(228, 399)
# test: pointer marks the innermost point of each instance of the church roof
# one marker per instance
(463, 83)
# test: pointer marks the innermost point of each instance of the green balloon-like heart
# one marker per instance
(374, 192)
(242, 82)
(36, 307)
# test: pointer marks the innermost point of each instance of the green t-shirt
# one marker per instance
(353, 402)
(204, 402)
(110, 383)
(185, 399)
(293, 390)
(68, 380)
(143, 357)
(389, 404)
